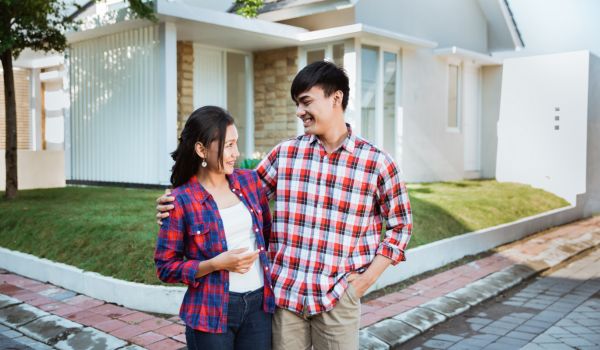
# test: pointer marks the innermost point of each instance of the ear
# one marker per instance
(338, 97)
(200, 150)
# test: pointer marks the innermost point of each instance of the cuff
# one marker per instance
(188, 274)
(391, 252)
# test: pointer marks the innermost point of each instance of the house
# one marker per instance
(41, 99)
(424, 85)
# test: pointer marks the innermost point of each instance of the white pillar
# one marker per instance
(352, 67)
(168, 101)
(249, 106)
(471, 119)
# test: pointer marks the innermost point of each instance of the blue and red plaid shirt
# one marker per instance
(194, 232)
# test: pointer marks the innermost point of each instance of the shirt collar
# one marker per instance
(349, 143)
(201, 194)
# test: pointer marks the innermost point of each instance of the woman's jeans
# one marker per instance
(248, 326)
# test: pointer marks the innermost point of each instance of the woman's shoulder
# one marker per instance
(246, 174)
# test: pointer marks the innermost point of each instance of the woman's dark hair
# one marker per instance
(205, 125)
(325, 75)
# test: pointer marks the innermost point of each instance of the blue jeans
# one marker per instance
(248, 326)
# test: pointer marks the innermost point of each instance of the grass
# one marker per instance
(112, 230)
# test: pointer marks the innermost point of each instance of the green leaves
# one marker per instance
(248, 8)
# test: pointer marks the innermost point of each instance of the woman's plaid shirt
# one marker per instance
(328, 215)
(194, 232)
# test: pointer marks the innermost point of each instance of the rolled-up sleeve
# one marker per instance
(395, 210)
(169, 256)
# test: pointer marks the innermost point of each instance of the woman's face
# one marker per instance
(230, 153)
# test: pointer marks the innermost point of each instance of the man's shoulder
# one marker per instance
(374, 152)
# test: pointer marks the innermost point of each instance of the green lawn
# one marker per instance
(112, 230)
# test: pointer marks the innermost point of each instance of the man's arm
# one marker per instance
(392, 198)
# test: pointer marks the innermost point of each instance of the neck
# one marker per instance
(212, 179)
(334, 137)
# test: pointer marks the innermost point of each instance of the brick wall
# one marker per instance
(22, 91)
(185, 83)
(274, 110)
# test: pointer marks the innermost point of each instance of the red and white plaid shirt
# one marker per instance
(328, 216)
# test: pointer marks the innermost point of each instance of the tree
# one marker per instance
(40, 25)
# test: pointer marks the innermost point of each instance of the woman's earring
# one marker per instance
(204, 163)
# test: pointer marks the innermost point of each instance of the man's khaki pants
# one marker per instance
(336, 329)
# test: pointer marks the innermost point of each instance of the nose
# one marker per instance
(300, 111)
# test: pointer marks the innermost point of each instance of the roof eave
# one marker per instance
(468, 55)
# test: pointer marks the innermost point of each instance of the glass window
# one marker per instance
(315, 55)
(453, 86)
(369, 69)
(389, 102)
(237, 96)
(338, 54)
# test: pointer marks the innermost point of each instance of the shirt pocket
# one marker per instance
(200, 238)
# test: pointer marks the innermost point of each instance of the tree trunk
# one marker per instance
(11, 126)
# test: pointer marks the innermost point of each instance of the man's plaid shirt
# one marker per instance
(328, 215)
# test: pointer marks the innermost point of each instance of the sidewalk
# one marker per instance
(64, 320)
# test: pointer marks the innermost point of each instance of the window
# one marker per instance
(453, 96)
(379, 97)
(389, 101)
(332, 52)
(369, 73)
(221, 79)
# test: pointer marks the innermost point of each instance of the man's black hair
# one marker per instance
(325, 75)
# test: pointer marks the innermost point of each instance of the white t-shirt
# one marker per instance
(237, 223)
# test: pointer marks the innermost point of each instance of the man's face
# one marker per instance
(315, 110)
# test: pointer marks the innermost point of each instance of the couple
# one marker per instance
(332, 190)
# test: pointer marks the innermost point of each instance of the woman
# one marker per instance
(214, 239)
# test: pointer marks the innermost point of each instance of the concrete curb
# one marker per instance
(55, 331)
(167, 300)
(392, 332)
(138, 296)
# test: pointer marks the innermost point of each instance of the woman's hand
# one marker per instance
(237, 260)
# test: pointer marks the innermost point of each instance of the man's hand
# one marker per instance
(361, 282)
(237, 260)
(163, 205)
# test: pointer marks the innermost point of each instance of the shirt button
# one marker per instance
(261, 248)
(252, 211)
(266, 268)
(255, 230)
(240, 194)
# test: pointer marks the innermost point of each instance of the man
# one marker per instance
(333, 191)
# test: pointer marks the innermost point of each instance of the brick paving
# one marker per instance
(451, 280)
(559, 311)
(132, 326)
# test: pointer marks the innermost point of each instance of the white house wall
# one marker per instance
(535, 92)
(429, 151)
(593, 147)
(490, 112)
(114, 110)
(450, 23)
(550, 26)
